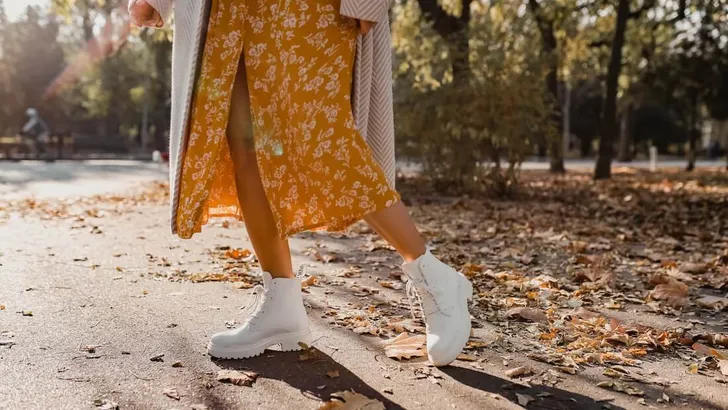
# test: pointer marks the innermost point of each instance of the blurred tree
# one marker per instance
(467, 124)
(451, 21)
(30, 58)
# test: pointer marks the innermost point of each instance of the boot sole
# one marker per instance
(288, 342)
(466, 293)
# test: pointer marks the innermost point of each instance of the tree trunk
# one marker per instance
(454, 30)
(625, 135)
(692, 135)
(585, 146)
(603, 168)
(548, 50)
(556, 143)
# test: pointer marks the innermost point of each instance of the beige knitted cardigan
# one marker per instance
(372, 99)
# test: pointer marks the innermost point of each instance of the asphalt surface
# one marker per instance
(93, 282)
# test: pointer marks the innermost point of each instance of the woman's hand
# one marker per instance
(143, 14)
(365, 26)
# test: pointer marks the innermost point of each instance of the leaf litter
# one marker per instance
(568, 250)
(350, 400)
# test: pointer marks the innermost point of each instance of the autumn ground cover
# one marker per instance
(582, 287)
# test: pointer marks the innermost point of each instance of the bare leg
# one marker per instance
(272, 251)
(395, 225)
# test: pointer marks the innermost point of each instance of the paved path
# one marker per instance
(100, 280)
(75, 178)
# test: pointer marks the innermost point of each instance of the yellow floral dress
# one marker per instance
(317, 170)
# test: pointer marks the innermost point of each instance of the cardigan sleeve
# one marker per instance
(369, 10)
(163, 7)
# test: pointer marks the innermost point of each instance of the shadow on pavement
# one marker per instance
(544, 397)
(310, 376)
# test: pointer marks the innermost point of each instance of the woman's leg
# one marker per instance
(272, 251)
(395, 225)
(444, 293)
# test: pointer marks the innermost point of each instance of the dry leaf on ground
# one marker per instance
(309, 281)
(238, 253)
(391, 284)
(670, 290)
(524, 399)
(694, 268)
(621, 387)
(171, 393)
(106, 404)
(527, 313)
(723, 367)
(519, 371)
(350, 400)
(405, 346)
(701, 348)
(240, 378)
(713, 302)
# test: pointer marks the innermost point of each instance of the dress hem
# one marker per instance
(313, 227)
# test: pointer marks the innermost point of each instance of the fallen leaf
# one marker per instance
(171, 393)
(350, 400)
(620, 387)
(519, 371)
(701, 348)
(239, 378)
(524, 399)
(27, 313)
(578, 246)
(694, 268)
(405, 347)
(527, 313)
(89, 348)
(2, 307)
(596, 274)
(723, 367)
(693, 368)
(177, 364)
(466, 357)
(713, 302)
(106, 404)
(391, 285)
(670, 290)
(333, 374)
(470, 270)
(309, 281)
(238, 253)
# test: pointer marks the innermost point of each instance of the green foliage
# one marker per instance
(106, 98)
(466, 130)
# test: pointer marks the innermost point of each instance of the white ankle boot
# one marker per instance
(277, 317)
(444, 294)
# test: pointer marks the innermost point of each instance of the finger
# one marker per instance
(365, 26)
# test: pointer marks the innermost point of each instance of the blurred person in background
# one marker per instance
(266, 128)
(36, 132)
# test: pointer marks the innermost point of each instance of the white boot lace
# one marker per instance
(414, 298)
(250, 311)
